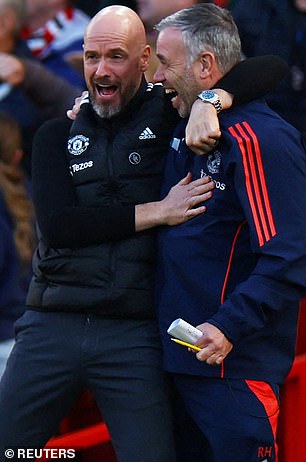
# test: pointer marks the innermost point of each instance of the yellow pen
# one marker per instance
(189, 345)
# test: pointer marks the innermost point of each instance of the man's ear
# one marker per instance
(145, 58)
(206, 62)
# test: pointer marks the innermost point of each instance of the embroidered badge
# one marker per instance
(214, 162)
(135, 158)
(78, 144)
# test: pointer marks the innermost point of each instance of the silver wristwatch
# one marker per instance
(210, 96)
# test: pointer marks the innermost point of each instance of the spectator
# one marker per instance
(50, 93)
(17, 234)
(28, 91)
(91, 7)
(151, 12)
(54, 33)
(278, 27)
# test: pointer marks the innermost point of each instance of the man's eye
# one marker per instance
(90, 57)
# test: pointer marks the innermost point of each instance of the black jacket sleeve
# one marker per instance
(62, 222)
(254, 77)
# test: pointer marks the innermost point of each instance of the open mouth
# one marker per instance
(106, 90)
(175, 97)
(173, 93)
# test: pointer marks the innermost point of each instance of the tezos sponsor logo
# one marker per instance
(81, 166)
(218, 184)
(78, 144)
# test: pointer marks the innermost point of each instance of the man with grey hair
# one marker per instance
(238, 271)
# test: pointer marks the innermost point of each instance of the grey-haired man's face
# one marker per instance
(174, 72)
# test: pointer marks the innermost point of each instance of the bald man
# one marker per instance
(90, 320)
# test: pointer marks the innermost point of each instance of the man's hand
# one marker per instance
(214, 345)
(203, 129)
(181, 204)
(184, 199)
(72, 113)
(11, 69)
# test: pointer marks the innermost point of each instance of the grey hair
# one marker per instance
(207, 27)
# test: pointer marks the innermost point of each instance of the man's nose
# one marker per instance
(159, 75)
(102, 68)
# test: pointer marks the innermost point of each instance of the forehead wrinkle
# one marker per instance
(116, 39)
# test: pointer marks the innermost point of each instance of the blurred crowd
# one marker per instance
(41, 75)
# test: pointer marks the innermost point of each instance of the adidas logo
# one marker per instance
(147, 134)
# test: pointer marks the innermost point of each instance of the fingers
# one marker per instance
(192, 203)
(187, 179)
(194, 212)
(205, 180)
(200, 190)
(205, 146)
(211, 358)
(72, 113)
(201, 186)
(213, 354)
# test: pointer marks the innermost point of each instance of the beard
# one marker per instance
(105, 112)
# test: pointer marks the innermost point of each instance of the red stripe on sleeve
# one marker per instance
(263, 182)
(248, 185)
(255, 181)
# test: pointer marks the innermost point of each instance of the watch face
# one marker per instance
(209, 94)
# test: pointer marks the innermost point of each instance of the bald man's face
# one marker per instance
(115, 58)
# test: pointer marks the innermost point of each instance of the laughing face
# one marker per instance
(174, 72)
(114, 62)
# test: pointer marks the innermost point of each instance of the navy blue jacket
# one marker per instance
(242, 265)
